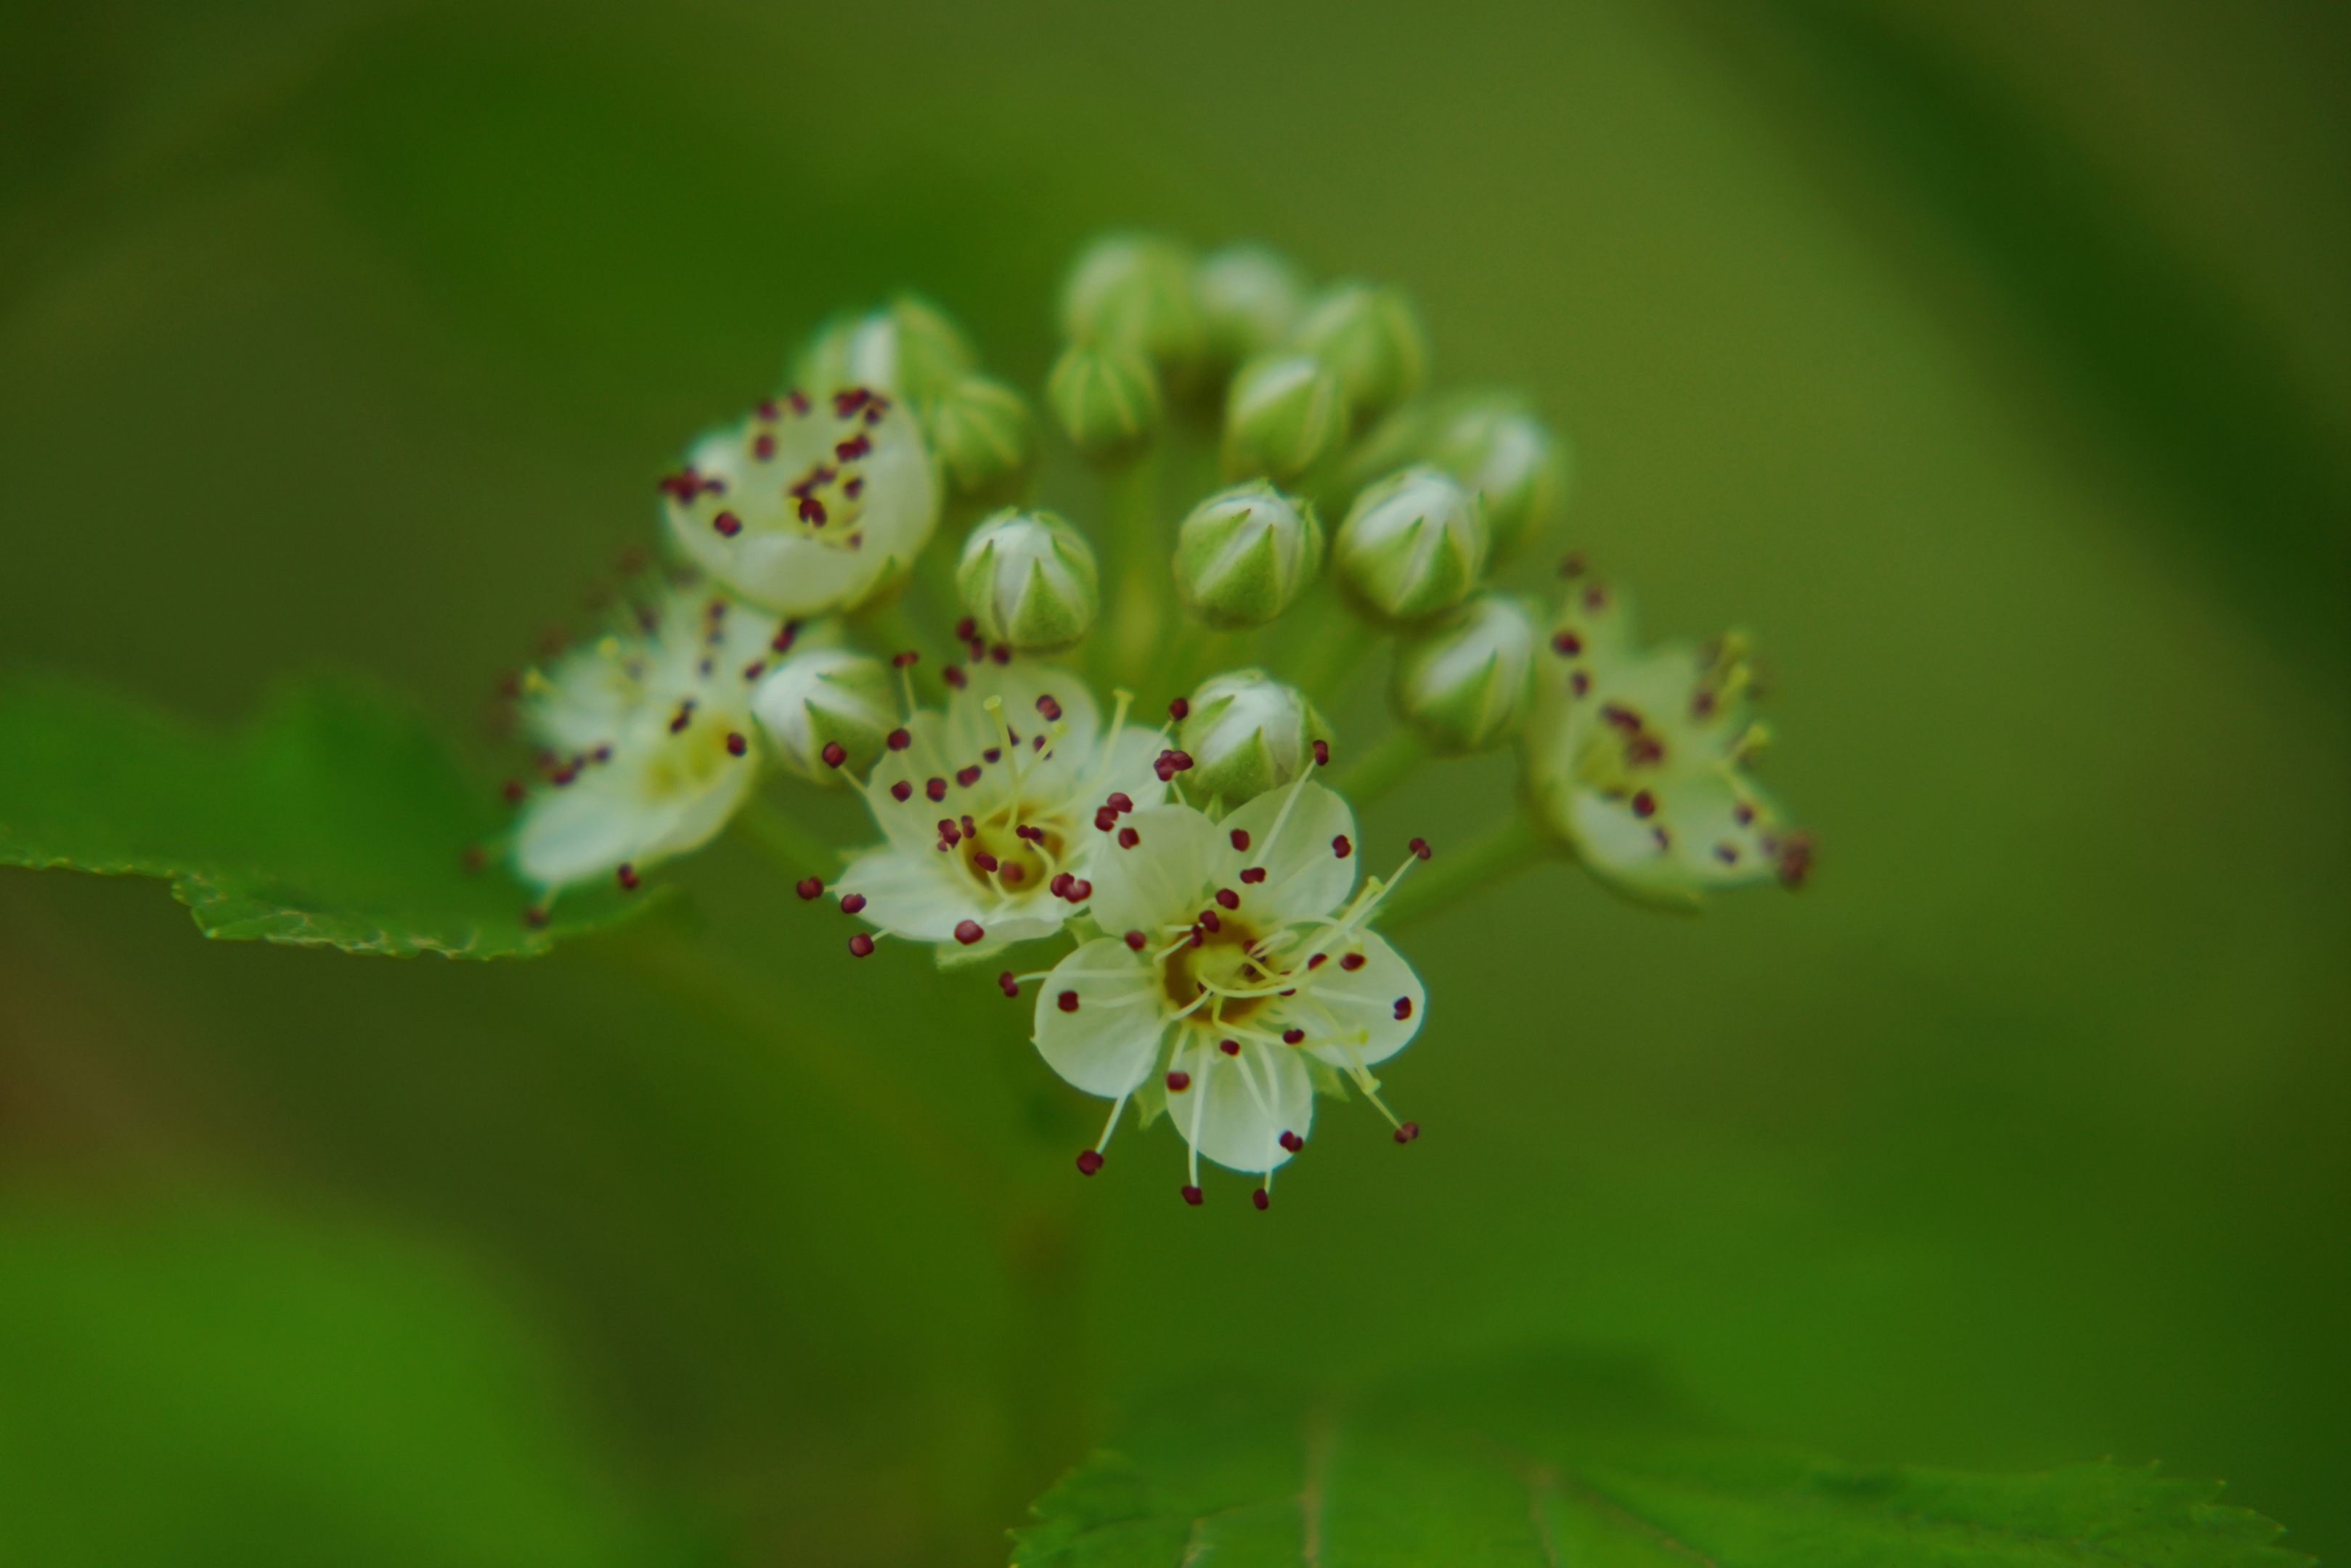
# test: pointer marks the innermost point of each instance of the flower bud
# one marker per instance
(1492, 444)
(1372, 340)
(1106, 397)
(1244, 555)
(1134, 291)
(1465, 683)
(1028, 580)
(1413, 546)
(829, 712)
(1250, 297)
(985, 436)
(909, 347)
(1246, 734)
(1285, 413)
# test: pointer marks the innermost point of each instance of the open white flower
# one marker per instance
(817, 502)
(997, 810)
(1637, 759)
(1237, 976)
(648, 744)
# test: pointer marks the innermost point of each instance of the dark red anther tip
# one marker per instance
(1403, 1009)
(782, 641)
(993, 754)
(1179, 760)
(1262, 1198)
(851, 903)
(953, 675)
(936, 788)
(1106, 819)
(1253, 874)
(1229, 1047)
(1208, 920)
(1645, 804)
(900, 740)
(627, 875)
(1179, 710)
(966, 628)
(1341, 847)
(1192, 1196)
(969, 932)
(1088, 1162)
(967, 777)
(809, 886)
(1048, 707)
(512, 790)
(903, 790)
(1579, 683)
(1080, 890)
(1178, 1081)
(1059, 886)
(1067, 1001)
(1419, 847)
(1229, 898)
(737, 744)
(1322, 754)
(1001, 654)
(1572, 564)
(1013, 873)
(727, 524)
(1567, 644)
(861, 945)
(1241, 838)
(1136, 940)
(1291, 1141)
(1351, 962)
(900, 660)
(1120, 800)
(984, 861)
(534, 917)
(1128, 838)
(1317, 961)
(834, 754)
(1007, 984)
(1407, 1133)
(1292, 1036)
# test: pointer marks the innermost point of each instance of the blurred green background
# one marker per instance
(1992, 363)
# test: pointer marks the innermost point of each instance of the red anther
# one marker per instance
(936, 788)
(601, 755)
(851, 450)
(534, 917)
(1048, 707)
(834, 755)
(768, 409)
(1341, 847)
(1567, 644)
(1229, 1047)
(1120, 801)
(512, 790)
(1166, 773)
(953, 675)
(861, 945)
(1572, 564)
(1179, 710)
(905, 657)
(564, 775)
(736, 743)
(1322, 754)
(1253, 874)
(993, 755)
(1197, 936)
(1080, 890)
(1702, 705)
(1106, 819)
(968, 830)
(763, 445)
(727, 524)
(904, 790)
(797, 399)
(628, 876)
(1419, 847)
(1291, 1141)
(977, 649)
(1192, 1196)
(1179, 760)
(1403, 1009)
(809, 886)
(1291, 992)
(755, 669)
(1622, 719)
(966, 628)
(1059, 884)
(1727, 853)
(1241, 838)
(1292, 1036)
(1178, 1081)
(1013, 873)
(1007, 984)
(949, 831)
(1136, 940)
(1208, 921)
(967, 777)
(1262, 1198)
(1742, 814)
(782, 641)
(984, 861)
(1229, 898)
(969, 932)
(1645, 804)
(1317, 961)
(1594, 596)
(1128, 838)
(1067, 1001)
(851, 903)
(1088, 1162)
(811, 510)
(1351, 962)
(1407, 1133)
(899, 740)
(1001, 654)
(845, 404)
(1579, 683)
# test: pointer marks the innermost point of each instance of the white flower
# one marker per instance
(1637, 758)
(827, 711)
(648, 740)
(1237, 977)
(996, 812)
(817, 502)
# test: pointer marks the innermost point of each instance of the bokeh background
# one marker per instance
(1992, 363)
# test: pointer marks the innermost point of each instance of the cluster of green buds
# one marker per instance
(868, 593)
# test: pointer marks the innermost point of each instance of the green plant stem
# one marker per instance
(1454, 875)
(1371, 774)
(788, 846)
(1334, 654)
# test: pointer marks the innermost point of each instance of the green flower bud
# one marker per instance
(1285, 413)
(1107, 398)
(829, 712)
(1245, 555)
(909, 348)
(1028, 580)
(1250, 297)
(1413, 546)
(1246, 734)
(1372, 340)
(1465, 683)
(985, 436)
(1491, 442)
(1134, 291)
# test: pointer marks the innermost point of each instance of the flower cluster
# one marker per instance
(1215, 960)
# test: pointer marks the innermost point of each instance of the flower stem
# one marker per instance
(1371, 774)
(787, 845)
(1455, 874)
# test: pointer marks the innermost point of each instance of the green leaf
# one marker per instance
(339, 819)
(1548, 1467)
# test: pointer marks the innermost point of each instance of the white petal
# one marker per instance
(1107, 1043)
(1244, 1103)
(1349, 1015)
(1305, 876)
(1021, 684)
(918, 893)
(1162, 879)
(606, 820)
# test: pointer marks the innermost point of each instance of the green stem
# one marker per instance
(788, 846)
(1333, 656)
(1371, 774)
(1455, 874)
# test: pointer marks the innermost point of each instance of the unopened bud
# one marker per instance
(1246, 734)
(1285, 413)
(1134, 291)
(1029, 579)
(985, 436)
(1370, 339)
(1251, 298)
(1491, 442)
(1244, 555)
(1465, 683)
(1107, 398)
(909, 347)
(829, 712)
(1413, 546)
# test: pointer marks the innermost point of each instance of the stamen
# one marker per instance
(851, 903)
(861, 945)
(810, 887)
(969, 932)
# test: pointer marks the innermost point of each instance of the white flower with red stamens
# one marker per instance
(997, 810)
(816, 502)
(1237, 974)
(648, 742)
(1637, 758)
